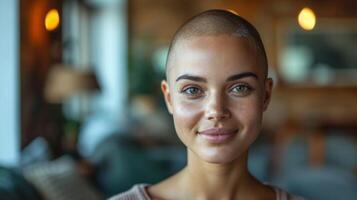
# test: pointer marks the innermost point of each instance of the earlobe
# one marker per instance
(166, 92)
(268, 91)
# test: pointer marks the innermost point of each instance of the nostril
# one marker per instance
(218, 115)
(215, 107)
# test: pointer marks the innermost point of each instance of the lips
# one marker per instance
(217, 135)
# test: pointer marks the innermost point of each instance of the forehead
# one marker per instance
(223, 54)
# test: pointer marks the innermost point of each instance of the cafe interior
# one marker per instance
(82, 115)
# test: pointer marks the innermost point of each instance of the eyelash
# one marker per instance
(199, 92)
(190, 94)
(247, 89)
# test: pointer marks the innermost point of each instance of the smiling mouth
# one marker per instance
(218, 135)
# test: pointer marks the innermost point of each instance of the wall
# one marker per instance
(9, 82)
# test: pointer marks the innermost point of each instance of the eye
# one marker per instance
(241, 89)
(192, 91)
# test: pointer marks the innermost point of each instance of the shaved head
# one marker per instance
(214, 23)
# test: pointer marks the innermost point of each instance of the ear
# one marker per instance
(268, 90)
(166, 92)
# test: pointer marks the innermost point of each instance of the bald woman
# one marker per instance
(216, 89)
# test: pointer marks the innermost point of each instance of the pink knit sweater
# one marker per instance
(138, 192)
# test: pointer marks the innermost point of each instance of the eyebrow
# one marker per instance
(192, 78)
(242, 75)
(231, 78)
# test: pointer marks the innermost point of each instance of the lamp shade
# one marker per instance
(64, 81)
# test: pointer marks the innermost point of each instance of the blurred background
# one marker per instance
(82, 117)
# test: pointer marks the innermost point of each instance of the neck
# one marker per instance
(217, 181)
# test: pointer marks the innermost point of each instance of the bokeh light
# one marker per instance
(307, 19)
(52, 20)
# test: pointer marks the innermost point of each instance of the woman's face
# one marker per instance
(217, 93)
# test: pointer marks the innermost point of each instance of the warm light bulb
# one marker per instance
(52, 20)
(307, 19)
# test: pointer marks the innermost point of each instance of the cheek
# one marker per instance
(186, 115)
(248, 113)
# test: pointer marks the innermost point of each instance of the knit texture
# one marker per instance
(138, 192)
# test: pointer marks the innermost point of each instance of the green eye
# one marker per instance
(192, 91)
(241, 89)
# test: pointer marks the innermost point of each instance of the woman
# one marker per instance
(216, 89)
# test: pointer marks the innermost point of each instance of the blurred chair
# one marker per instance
(122, 161)
(13, 186)
(60, 180)
(315, 149)
(325, 183)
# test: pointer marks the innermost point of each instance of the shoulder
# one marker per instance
(137, 192)
(283, 195)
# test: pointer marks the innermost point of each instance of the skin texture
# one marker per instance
(217, 22)
(215, 82)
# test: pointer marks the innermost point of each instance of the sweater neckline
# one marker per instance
(141, 188)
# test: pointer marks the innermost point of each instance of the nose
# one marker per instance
(216, 109)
